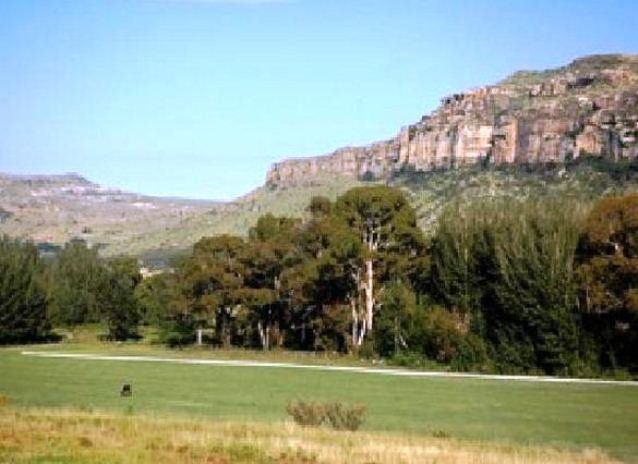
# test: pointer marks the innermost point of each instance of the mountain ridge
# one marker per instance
(589, 106)
(55, 208)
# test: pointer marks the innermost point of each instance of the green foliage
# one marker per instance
(395, 321)
(494, 288)
(23, 304)
(118, 303)
(507, 266)
(534, 293)
(84, 288)
(179, 330)
(584, 179)
(213, 280)
(607, 273)
(76, 278)
(443, 333)
(158, 298)
(320, 206)
(294, 284)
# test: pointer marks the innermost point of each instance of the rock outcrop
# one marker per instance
(588, 107)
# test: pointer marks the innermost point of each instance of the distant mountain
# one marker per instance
(569, 131)
(51, 210)
(54, 209)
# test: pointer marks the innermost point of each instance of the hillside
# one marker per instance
(54, 209)
(567, 131)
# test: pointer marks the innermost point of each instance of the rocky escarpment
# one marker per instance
(588, 107)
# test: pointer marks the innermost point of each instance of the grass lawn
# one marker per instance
(564, 415)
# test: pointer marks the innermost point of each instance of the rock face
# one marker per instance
(588, 107)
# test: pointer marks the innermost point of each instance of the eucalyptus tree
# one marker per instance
(318, 285)
(385, 224)
(270, 252)
(213, 279)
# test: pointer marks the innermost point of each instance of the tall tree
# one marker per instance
(319, 287)
(23, 305)
(270, 252)
(385, 223)
(507, 265)
(214, 278)
(534, 294)
(607, 273)
(75, 281)
(157, 296)
(118, 305)
(394, 323)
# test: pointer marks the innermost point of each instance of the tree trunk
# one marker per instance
(228, 328)
(368, 289)
(267, 344)
(358, 325)
(262, 335)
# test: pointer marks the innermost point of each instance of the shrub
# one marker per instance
(177, 339)
(338, 415)
(443, 334)
(306, 414)
(408, 359)
(440, 434)
(344, 417)
(471, 354)
(179, 331)
(4, 400)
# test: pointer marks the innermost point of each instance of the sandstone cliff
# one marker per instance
(587, 107)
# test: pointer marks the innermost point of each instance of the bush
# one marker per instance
(179, 331)
(344, 417)
(471, 354)
(306, 414)
(444, 333)
(338, 415)
(177, 339)
(410, 359)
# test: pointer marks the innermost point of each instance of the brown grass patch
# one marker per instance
(81, 436)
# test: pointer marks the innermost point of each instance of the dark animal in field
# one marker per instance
(126, 390)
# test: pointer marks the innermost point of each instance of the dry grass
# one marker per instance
(72, 436)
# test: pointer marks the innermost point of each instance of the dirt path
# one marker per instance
(362, 370)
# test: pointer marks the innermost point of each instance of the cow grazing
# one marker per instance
(126, 390)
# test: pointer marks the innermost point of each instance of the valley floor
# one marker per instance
(212, 393)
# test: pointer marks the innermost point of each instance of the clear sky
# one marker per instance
(198, 97)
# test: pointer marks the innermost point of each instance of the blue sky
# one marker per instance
(197, 98)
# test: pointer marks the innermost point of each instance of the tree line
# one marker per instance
(503, 285)
(74, 287)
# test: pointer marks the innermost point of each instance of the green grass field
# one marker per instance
(563, 415)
